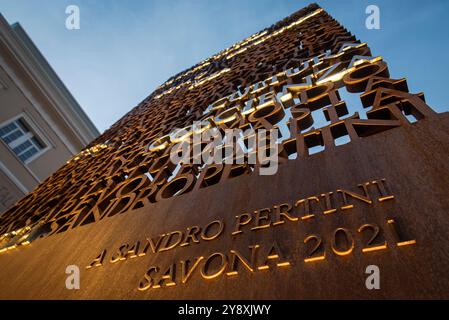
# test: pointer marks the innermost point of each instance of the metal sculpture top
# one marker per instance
(291, 76)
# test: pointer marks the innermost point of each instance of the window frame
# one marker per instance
(33, 132)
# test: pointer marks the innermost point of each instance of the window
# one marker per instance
(22, 141)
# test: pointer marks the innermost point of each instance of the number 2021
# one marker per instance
(343, 243)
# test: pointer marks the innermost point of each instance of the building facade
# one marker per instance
(41, 124)
(359, 182)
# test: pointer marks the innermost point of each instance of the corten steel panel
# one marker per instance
(413, 160)
(312, 228)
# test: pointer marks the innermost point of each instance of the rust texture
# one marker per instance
(299, 71)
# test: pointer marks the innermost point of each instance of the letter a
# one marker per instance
(73, 280)
(73, 20)
(373, 280)
(373, 20)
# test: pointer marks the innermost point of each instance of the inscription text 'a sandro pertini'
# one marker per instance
(367, 238)
(300, 210)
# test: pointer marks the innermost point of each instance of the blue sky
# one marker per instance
(125, 49)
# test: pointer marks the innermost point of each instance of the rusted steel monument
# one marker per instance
(362, 180)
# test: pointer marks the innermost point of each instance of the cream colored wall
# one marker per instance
(9, 192)
(13, 102)
(29, 87)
